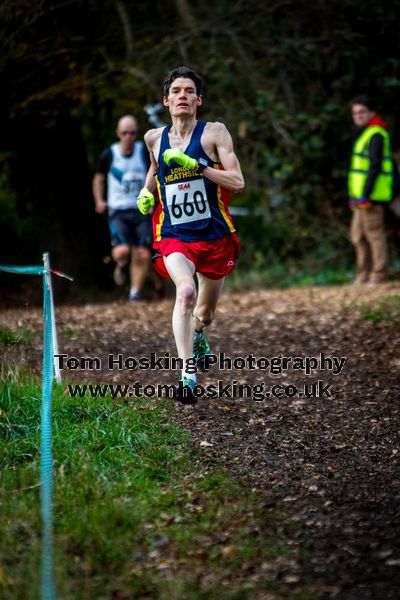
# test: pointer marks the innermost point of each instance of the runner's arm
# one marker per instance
(146, 199)
(150, 138)
(99, 181)
(231, 178)
(150, 182)
(98, 189)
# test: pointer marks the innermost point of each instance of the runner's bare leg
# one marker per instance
(120, 254)
(182, 270)
(207, 299)
(140, 265)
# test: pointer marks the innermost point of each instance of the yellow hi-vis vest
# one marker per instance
(360, 163)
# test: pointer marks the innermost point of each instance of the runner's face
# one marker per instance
(182, 99)
(127, 132)
(361, 114)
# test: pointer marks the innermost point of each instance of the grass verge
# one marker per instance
(134, 517)
(21, 336)
(384, 310)
(280, 275)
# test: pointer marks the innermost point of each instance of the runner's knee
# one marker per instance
(186, 294)
(120, 252)
(205, 314)
(142, 255)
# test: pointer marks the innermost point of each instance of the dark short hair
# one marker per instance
(365, 101)
(183, 72)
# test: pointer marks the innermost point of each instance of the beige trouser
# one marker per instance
(367, 234)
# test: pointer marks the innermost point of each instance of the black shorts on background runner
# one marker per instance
(130, 227)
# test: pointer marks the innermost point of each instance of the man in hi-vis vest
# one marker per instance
(370, 186)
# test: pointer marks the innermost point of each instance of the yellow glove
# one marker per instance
(182, 159)
(145, 201)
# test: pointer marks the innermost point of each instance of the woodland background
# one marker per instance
(279, 73)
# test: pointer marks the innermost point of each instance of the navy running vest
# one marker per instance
(192, 208)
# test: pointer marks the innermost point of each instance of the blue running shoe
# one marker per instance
(201, 350)
(184, 391)
(134, 296)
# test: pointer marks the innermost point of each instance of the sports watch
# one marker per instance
(202, 164)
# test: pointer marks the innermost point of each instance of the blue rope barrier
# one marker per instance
(47, 587)
(23, 270)
(46, 457)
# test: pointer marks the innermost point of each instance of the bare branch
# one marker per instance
(184, 11)
(127, 29)
(142, 76)
(281, 131)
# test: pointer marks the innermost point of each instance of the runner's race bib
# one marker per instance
(187, 201)
(131, 183)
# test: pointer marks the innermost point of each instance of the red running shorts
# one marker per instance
(213, 258)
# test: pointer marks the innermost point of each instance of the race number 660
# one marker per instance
(189, 206)
(187, 201)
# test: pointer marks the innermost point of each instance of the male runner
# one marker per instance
(121, 172)
(194, 167)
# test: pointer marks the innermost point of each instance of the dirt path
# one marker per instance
(328, 467)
